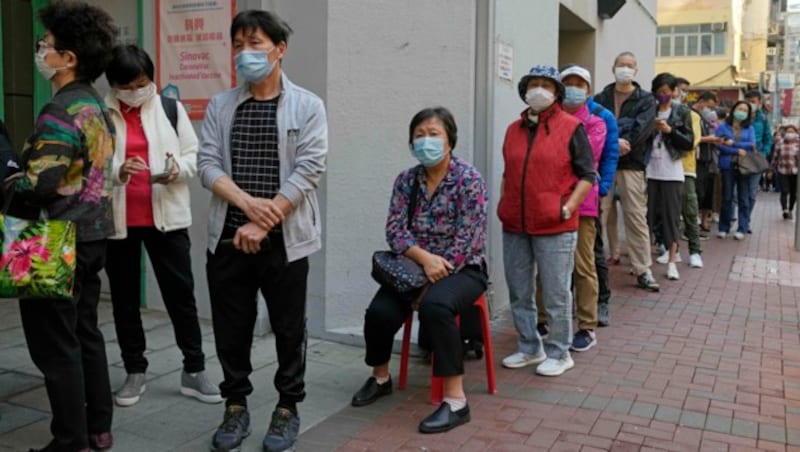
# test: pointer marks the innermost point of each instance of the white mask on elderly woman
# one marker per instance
(539, 99)
(791, 136)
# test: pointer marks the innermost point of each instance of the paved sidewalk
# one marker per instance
(165, 420)
(712, 362)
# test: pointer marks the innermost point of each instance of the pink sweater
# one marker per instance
(595, 128)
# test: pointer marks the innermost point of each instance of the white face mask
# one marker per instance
(45, 69)
(790, 136)
(539, 99)
(136, 97)
(624, 74)
(754, 107)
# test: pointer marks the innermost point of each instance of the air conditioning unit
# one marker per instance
(772, 51)
(719, 27)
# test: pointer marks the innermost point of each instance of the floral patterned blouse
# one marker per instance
(451, 223)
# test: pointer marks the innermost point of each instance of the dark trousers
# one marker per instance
(234, 279)
(600, 265)
(169, 255)
(438, 309)
(788, 191)
(68, 348)
(704, 185)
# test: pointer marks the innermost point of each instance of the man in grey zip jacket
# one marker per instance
(262, 152)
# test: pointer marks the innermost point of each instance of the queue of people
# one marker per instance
(119, 167)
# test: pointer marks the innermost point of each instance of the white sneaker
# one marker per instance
(695, 261)
(519, 359)
(721, 235)
(672, 272)
(738, 235)
(552, 367)
(664, 258)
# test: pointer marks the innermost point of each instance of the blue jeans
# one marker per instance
(755, 180)
(731, 178)
(554, 257)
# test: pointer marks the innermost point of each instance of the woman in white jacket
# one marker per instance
(154, 157)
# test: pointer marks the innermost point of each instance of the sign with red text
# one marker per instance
(193, 51)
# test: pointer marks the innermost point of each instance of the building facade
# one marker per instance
(376, 63)
(715, 44)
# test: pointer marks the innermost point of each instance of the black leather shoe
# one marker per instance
(444, 419)
(371, 391)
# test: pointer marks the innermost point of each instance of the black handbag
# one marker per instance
(397, 271)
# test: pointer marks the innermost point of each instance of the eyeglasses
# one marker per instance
(42, 43)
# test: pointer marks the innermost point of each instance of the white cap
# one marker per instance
(576, 70)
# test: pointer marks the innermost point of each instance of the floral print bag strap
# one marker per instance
(37, 257)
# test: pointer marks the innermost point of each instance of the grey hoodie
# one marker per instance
(302, 149)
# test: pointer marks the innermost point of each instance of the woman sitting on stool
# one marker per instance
(447, 238)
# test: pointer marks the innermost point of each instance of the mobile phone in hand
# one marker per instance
(168, 166)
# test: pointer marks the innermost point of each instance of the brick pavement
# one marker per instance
(711, 362)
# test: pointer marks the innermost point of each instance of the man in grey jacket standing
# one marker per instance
(262, 152)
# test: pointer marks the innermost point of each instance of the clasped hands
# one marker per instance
(264, 214)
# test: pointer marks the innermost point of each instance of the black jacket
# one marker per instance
(635, 121)
(680, 140)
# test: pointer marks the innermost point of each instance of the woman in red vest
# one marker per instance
(549, 170)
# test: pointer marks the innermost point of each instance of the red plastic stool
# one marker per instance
(437, 383)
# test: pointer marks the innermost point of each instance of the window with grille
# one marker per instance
(694, 40)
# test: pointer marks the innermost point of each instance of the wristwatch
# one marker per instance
(566, 214)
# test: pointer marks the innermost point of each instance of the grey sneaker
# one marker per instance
(647, 282)
(197, 385)
(603, 316)
(131, 390)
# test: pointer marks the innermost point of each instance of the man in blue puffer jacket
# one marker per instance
(606, 169)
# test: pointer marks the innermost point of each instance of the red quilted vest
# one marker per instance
(538, 177)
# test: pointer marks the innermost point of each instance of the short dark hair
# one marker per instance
(87, 31)
(722, 113)
(664, 78)
(708, 95)
(681, 81)
(626, 53)
(444, 115)
(752, 93)
(746, 122)
(128, 62)
(272, 25)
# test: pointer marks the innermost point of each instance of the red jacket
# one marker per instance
(538, 177)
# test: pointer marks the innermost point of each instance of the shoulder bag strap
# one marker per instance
(412, 202)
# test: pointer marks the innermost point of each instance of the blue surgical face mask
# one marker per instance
(574, 96)
(428, 150)
(739, 115)
(253, 65)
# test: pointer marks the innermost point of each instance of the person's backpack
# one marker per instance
(170, 106)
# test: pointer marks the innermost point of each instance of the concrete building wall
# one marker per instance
(390, 62)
